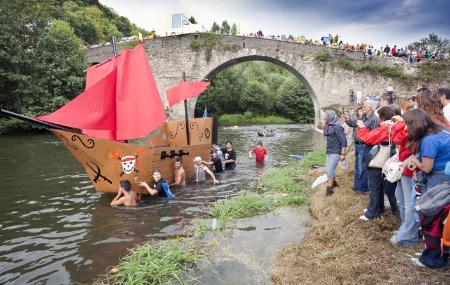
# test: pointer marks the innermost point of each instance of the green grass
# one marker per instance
(160, 262)
(251, 119)
(284, 186)
(323, 55)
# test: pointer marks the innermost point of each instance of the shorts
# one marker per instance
(332, 160)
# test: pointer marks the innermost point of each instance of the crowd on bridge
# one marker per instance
(402, 153)
(413, 55)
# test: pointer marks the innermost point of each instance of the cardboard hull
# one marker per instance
(108, 162)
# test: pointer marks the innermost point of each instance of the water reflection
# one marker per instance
(55, 229)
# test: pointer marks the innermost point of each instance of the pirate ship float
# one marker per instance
(120, 103)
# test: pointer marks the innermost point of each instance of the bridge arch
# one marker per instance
(278, 62)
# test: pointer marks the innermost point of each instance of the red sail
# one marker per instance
(185, 90)
(121, 100)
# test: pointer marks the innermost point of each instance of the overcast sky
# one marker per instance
(376, 22)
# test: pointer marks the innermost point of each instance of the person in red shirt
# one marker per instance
(260, 152)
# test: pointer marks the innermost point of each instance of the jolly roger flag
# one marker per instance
(185, 90)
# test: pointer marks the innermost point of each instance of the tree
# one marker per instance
(255, 97)
(233, 29)
(215, 28)
(433, 42)
(294, 102)
(225, 29)
(192, 20)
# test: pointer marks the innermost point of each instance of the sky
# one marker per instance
(377, 22)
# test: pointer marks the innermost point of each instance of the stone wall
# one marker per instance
(327, 84)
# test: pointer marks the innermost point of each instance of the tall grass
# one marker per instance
(251, 119)
(156, 263)
(285, 186)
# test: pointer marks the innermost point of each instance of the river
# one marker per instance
(55, 229)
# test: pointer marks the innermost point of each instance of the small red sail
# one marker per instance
(120, 102)
(185, 90)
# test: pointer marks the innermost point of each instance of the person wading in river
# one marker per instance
(180, 176)
(200, 171)
(160, 186)
(129, 196)
(336, 147)
(260, 152)
(230, 156)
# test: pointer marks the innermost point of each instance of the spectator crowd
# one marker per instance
(401, 153)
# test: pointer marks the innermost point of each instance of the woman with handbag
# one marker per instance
(407, 234)
(380, 139)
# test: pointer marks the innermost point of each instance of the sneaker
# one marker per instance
(416, 262)
(393, 241)
(364, 218)
(417, 254)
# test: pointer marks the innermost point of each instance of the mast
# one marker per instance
(37, 122)
(188, 138)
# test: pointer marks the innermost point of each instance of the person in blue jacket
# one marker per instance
(160, 186)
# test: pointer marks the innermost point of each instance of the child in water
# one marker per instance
(160, 186)
(129, 196)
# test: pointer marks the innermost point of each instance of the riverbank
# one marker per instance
(251, 119)
(341, 249)
(277, 188)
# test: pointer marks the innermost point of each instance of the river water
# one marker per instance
(55, 229)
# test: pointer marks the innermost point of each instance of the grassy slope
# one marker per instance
(340, 249)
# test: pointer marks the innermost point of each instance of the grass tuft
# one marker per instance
(160, 262)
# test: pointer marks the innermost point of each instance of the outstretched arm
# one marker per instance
(151, 191)
(212, 175)
(114, 201)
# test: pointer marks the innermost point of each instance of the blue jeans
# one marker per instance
(377, 187)
(409, 229)
(360, 179)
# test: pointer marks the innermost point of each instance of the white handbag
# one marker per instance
(382, 155)
(393, 169)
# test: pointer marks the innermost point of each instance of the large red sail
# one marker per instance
(121, 100)
(185, 90)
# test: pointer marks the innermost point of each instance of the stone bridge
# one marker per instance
(327, 84)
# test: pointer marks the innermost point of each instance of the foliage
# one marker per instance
(225, 29)
(293, 101)
(433, 42)
(162, 262)
(215, 28)
(192, 20)
(207, 42)
(41, 52)
(255, 86)
(323, 56)
(233, 30)
(41, 63)
(248, 118)
(394, 72)
(255, 96)
(432, 71)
